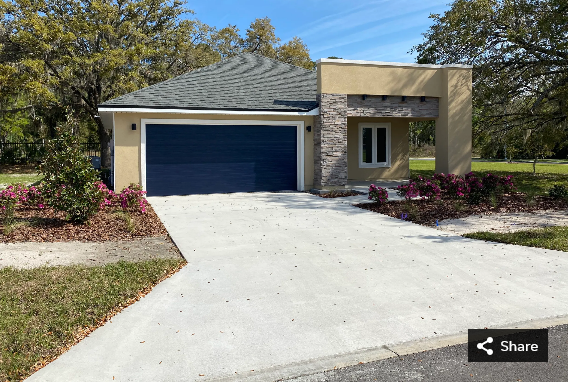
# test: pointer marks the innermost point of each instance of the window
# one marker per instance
(375, 145)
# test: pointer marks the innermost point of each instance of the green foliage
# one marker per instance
(260, 38)
(518, 50)
(558, 191)
(553, 238)
(295, 52)
(70, 179)
(69, 56)
(421, 133)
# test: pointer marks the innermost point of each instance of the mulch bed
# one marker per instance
(49, 225)
(337, 194)
(426, 212)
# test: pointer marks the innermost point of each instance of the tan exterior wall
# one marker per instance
(451, 84)
(399, 168)
(453, 130)
(379, 80)
(127, 142)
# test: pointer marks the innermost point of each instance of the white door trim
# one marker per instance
(299, 139)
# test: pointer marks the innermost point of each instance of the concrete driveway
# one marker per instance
(283, 284)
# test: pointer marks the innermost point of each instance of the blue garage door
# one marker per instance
(200, 159)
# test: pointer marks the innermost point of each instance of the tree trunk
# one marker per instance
(534, 162)
(104, 139)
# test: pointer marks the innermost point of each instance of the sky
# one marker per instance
(350, 29)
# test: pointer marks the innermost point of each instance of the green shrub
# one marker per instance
(558, 191)
(70, 179)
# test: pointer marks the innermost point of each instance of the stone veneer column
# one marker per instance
(331, 141)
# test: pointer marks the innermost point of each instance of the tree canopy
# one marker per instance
(518, 49)
(68, 56)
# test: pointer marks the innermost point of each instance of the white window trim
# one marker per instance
(299, 140)
(374, 164)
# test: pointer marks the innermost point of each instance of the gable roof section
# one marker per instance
(247, 82)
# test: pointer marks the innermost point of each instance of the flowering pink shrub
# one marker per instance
(132, 198)
(108, 195)
(377, 194)
(21, 195)
(451, 186)
(426, 188)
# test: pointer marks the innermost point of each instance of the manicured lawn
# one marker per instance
(9, 179)
(546, 175)
(553, 238)
(44, 311)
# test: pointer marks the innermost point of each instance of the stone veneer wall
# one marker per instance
(331, 128)
(331, 141)
(375, 106)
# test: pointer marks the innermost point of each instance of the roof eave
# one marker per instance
(139, 109)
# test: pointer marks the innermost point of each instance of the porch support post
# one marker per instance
(453, 132)
(331, 141)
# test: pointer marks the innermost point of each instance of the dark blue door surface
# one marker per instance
(200, 159)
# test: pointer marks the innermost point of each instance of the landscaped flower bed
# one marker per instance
(429, 200)
(71, 203)
(125, 215)
(426, 212)
(339, 194)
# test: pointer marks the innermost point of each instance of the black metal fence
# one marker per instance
(12, 153)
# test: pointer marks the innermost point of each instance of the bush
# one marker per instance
(70, 180)
(132, 198)
(18, 195)
(377, 194)
(558, 191)
(407, 191)
(454, 187)
(129, 199)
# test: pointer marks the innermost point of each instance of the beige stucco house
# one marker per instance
(250, 123)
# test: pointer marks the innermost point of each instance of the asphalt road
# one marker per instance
(451, 364)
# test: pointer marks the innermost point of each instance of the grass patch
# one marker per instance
(10, 179)
(553, 238)
(546, 175)
(44, 311)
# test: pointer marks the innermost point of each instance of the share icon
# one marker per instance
(480, 346)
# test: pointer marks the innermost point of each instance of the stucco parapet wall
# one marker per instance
(392, 106)
(392, 64)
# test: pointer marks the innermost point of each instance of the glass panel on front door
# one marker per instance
(381, 145)
(367, 145)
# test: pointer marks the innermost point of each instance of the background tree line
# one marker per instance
(518, 49)
(59, 59)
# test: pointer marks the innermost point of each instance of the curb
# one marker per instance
(314, 366)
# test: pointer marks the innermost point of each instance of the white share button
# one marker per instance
(480, 346)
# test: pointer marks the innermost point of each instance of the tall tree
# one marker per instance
(260, 38)
(295, 52)
(92, 51)
(518, 49)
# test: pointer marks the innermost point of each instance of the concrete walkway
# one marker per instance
(279, 284)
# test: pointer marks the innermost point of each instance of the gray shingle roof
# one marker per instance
(244, 82)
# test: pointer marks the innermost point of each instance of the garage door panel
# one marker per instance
(197, 159)
(165, 179)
